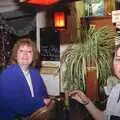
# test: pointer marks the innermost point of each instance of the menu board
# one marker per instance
(49, 44)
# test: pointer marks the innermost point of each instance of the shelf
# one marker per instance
(98, 21)
(97, 17)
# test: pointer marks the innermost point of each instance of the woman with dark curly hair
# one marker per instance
(22, 90)
(112, 111)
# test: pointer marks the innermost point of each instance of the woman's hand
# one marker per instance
(47, 101)
(80, 97)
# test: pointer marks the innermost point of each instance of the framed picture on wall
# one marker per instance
(94, 7)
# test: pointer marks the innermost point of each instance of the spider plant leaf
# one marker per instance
(92, 49)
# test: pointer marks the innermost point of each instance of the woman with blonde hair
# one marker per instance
(22, 90)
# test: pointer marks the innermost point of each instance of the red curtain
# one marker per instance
(42, 2)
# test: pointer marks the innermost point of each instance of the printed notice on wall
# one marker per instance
(116, 16)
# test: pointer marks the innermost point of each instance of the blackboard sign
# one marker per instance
(49, 44)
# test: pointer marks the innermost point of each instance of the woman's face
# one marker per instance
(24, 55)
(116, 63)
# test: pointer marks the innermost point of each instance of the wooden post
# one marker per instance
(92, 85)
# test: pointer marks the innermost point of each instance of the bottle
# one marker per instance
(90, 9)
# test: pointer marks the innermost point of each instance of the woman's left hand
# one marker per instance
(47, 101)
(80, 97)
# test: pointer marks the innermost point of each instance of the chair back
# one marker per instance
(44, 113)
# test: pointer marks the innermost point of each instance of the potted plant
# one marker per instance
(90, 53)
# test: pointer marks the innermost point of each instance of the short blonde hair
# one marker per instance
(21, 42)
